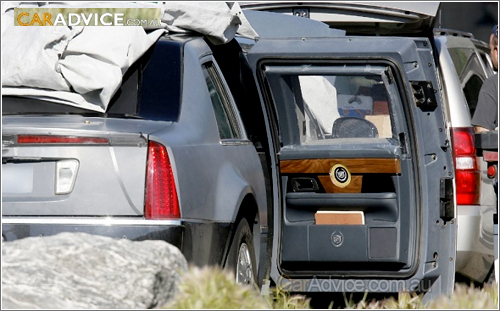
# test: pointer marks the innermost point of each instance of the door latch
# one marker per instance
(424, 95)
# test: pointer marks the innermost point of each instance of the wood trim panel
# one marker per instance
(339, 218)
(353, 187)
(355, 165)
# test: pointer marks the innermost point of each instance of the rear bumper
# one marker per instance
(171, 231)
(475, 241)
(201, 242)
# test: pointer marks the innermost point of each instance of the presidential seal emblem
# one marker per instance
(337, 238)
(340, 176)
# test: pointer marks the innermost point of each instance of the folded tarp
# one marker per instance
(84, 66)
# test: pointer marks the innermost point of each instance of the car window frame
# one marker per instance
(288, 137)
(211, 69)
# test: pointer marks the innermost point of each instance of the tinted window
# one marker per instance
(485, 60)
(471, 91)
(224, 113)
(150, 89)
(160, 87)
(460, 57)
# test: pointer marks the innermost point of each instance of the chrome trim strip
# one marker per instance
(106, 221)
(235, 142)
(103, 221)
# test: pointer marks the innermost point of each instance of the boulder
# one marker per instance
(84, 271)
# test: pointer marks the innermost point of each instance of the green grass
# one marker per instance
(214, 288)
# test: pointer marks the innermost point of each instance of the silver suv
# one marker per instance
(464, 65)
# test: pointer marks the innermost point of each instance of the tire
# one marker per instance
(241, 256)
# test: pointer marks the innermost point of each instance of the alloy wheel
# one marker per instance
(244, 271)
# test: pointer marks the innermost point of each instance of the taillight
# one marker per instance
(161, 195)
(492, 171)
(491, 157)
(50, 139)
(468, 176)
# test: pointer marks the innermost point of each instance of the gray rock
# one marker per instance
(79, 270)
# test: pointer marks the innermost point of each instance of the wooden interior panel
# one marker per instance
(355, 165)
(353, 187)
(339, 218)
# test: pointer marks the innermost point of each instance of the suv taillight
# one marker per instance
(161, 196)
(468, 176)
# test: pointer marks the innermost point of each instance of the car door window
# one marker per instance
(461, 57)
(225, 113)
(341, 102)
(471, 91)
(470, 72)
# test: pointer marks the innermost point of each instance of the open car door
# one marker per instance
(363, 196)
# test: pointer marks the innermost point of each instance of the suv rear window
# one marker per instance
(150, 89)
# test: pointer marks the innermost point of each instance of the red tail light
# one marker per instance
(492, 171)
(161, 195)
(468, 176)
(49, 139)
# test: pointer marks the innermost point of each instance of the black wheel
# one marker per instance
(241, 257)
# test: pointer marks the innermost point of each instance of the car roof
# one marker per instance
(276, 25)
(382, 8)
(358, 18)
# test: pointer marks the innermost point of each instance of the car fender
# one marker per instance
(233, 185)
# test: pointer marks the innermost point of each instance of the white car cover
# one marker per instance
(83, 66)
(320, 96)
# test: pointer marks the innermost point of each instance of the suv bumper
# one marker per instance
(170, 231)
(475, 241)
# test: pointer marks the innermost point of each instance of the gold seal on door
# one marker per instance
(340, 176)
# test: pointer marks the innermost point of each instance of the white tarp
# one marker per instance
(321, 97)
(83, 66)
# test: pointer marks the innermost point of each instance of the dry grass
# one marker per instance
(468, 297)
(280, 299)
(214, 288)
(463, 297)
